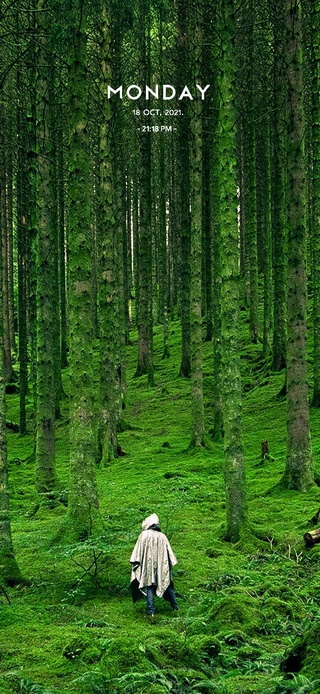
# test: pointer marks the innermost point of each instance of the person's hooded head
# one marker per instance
(152, 522)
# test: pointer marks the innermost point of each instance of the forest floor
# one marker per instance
(242, 608)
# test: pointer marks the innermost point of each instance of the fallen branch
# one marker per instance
(13, 426)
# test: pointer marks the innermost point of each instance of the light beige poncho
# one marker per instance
(152, 558)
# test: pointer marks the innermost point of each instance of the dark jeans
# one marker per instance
(168, 595)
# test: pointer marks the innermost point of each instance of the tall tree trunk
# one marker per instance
(264, 222)
(21, 223)
(83, 498)
(249, 176)
(4, 249)
(9, 570)
(106, 240)
(278, 217)
(163, 265)
(45, 254)
(145, 327)
(54, 262)
(10, 243)
(207, 147)
(197, 436)
(216, 253)
(315, 183)
(232, 413)
(183, 174)
(299, 470)
(62, 241)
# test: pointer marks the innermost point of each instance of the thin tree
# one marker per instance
(183, 190)
(9, 570)
(277, 186)
(145, 327)
(45, 256)
(197, 436)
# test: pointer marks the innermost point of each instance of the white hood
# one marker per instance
(151, 520)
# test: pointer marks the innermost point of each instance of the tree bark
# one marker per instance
(232, 413)
(299, 469)
(45, 254)
(197, 435)
(83, 497)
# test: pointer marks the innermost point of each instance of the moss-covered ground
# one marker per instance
(248, 613)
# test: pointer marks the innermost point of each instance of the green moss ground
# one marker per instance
(242, 608)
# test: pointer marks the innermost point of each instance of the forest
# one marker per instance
(160, 343)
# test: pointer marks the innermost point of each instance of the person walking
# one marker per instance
(152, 560)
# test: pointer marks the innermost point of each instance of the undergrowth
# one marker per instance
(246, 611)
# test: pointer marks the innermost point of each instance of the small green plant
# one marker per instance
(297, 685)
(26, 686)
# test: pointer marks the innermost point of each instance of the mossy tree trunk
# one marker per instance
(23, 224)
(207, 147)
(120, 247)
(173, 250)
(232, 413)
(163, 251)
(83, 498)
(9, 570)
(12, 306)
(106, 240)
(315, 183)
(54, 216)
(4, 250)
(62, 239)
(197, 435)
(30, 212)
(126, 249)
(216, 256)
(264, 221)
(45, 255)
(145, 322)
(136, 241)
(278, 217)
(249, 175)
(299, 470)
(183, 182)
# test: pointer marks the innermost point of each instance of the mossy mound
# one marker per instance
(304, 656)
(166, 647)
(92, 655)
(76, 647)
(208, 647)
(83, 647)
(240, 611)
(249, 652)
(274, 608)
(198, 626)
(234, 638)
(124, 654)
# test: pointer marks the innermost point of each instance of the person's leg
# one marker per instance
(150, 600)
(170, 594)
